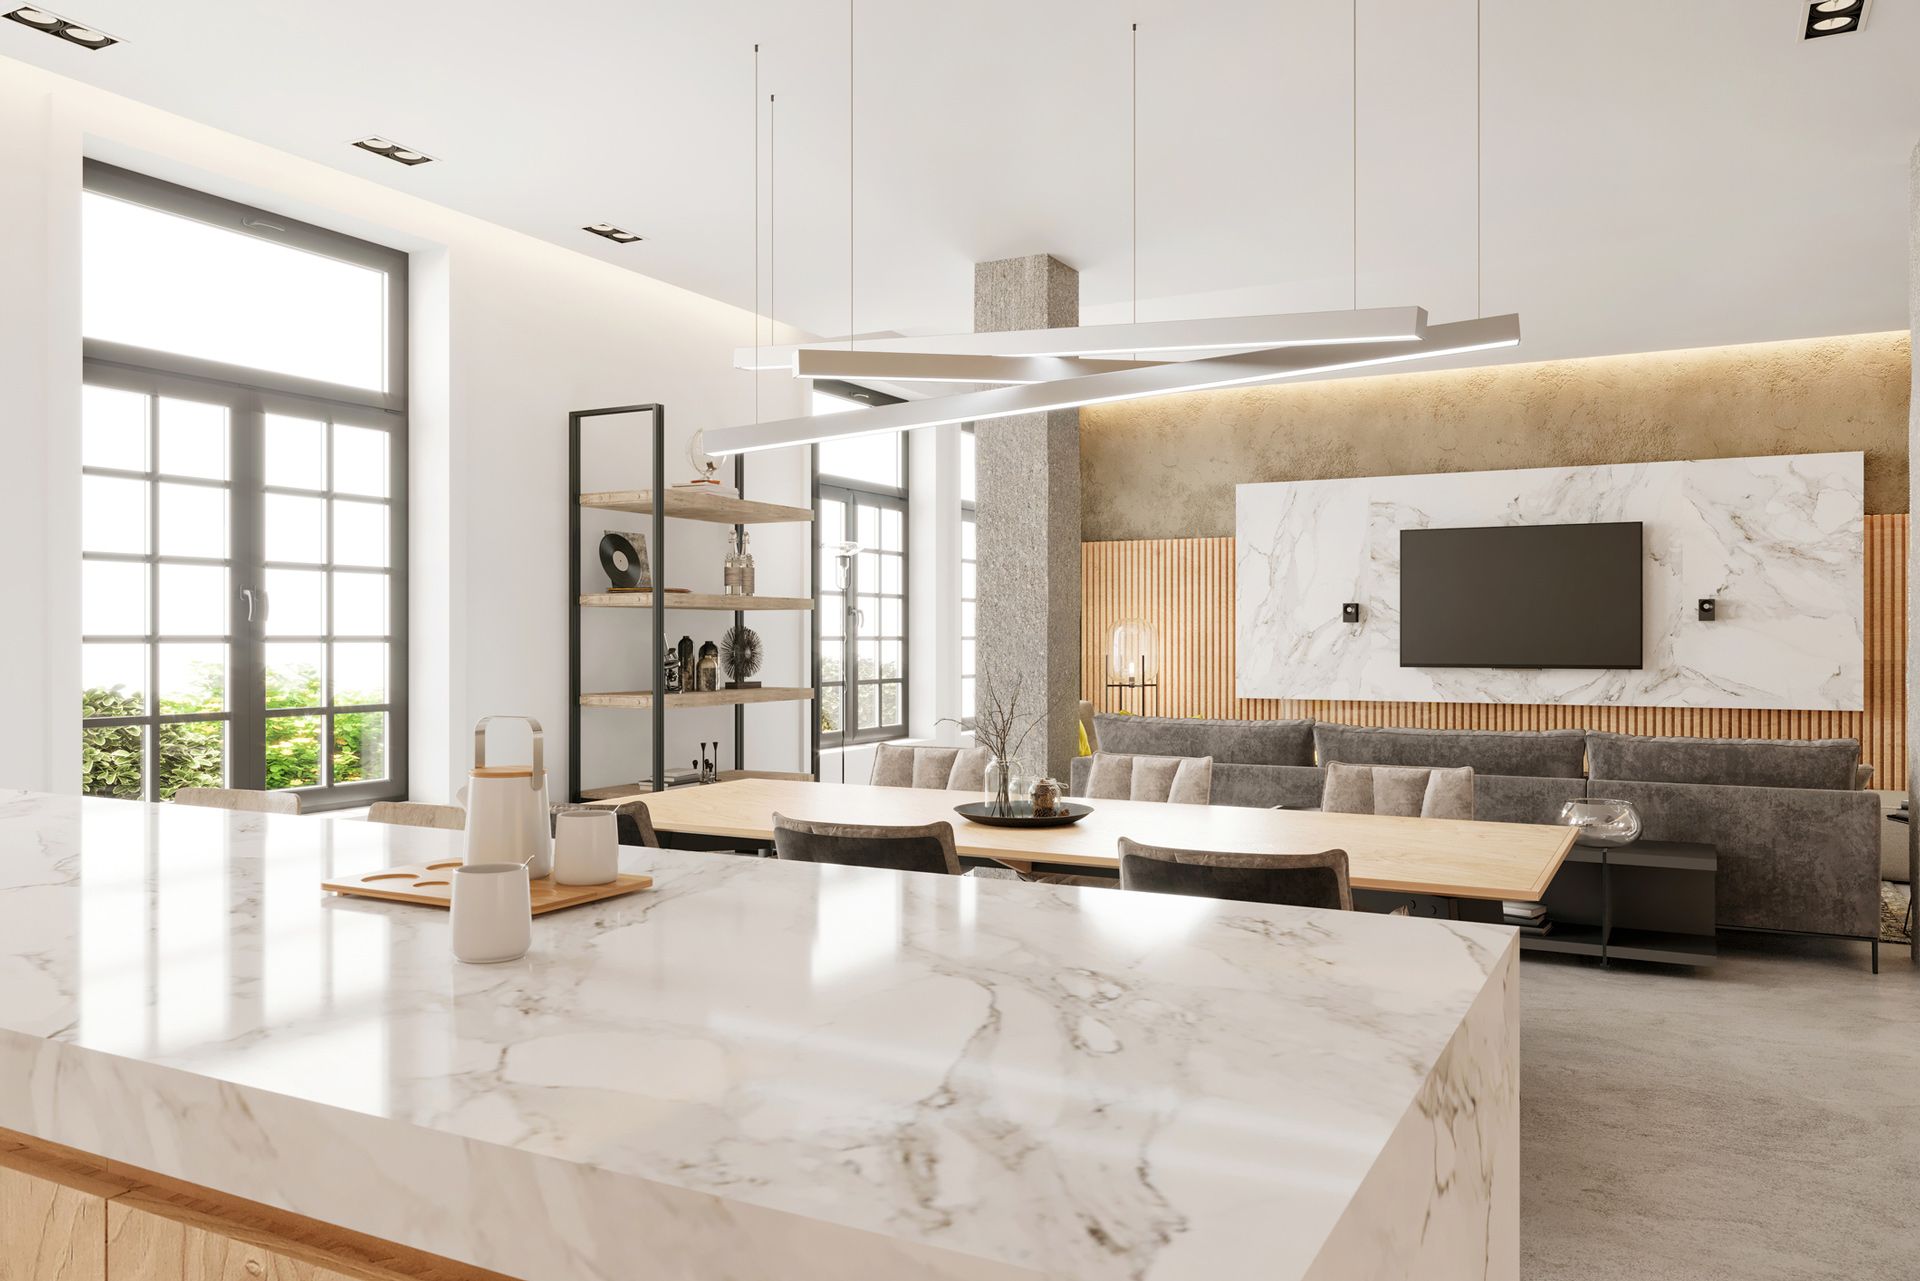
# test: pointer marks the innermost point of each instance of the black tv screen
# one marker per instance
(1521, 596)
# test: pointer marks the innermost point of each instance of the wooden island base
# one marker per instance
(69, 1216)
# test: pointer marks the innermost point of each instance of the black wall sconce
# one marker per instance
(1350, 612)
(1708, 612)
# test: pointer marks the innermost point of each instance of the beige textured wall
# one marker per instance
(1166, 468)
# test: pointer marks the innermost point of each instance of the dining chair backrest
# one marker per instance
(1292, 880)
(239, 798)
(1117, 776)
(960, 769)
(448, 818)
(1402, 791)
(903, 849)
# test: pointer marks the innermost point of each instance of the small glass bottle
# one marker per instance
(746, 566)
(732, 576)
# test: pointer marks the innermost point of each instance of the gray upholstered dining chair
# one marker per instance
(954, 769)
(1292, 880)
(904, 849)
(239, 798)
(1184, 780)
(1402, 791)
(448, 818)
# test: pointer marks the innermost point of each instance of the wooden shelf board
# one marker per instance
(694, 600)
(693, 505)
(643, 698)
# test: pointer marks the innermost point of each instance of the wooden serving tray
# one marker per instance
(431, 885)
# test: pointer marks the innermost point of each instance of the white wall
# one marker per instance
(509, 334)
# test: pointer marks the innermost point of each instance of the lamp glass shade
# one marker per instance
(1133, 654)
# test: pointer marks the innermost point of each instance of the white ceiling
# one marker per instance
(1657, 173)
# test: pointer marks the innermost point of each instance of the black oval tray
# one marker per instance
(982, 812)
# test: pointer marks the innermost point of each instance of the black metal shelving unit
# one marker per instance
(659, 502)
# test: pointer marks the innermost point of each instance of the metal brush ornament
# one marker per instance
(741, 655)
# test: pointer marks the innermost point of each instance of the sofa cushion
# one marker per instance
(1500, 798)
(1728, 762)
(1552, 753)
(1294, 787)
(1790, 858)
(1228, 742)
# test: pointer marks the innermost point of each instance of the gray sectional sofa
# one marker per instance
(1798, 840)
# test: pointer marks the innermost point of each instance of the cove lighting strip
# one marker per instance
(930, 367)
(1214, 333)
(1240, 369)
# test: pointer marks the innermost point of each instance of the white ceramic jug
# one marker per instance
(507, 806)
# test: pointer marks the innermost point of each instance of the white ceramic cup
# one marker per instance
(586, 847)
(492, 913)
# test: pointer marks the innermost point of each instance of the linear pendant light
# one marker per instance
(1239, 369)
(930, 367)
(1212, 333)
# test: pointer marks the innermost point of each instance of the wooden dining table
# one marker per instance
(1410, 855)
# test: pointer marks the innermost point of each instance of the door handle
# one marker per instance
(253, 598)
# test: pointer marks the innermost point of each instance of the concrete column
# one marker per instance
(1028, 482)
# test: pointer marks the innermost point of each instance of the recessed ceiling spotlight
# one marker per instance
(55, 25)
(1833, 18)
(611, 232)
(393, 151)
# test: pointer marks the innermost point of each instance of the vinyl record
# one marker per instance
(625, 565)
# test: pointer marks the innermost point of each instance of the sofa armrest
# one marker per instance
(1791, 858)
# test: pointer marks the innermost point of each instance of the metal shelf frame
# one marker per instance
(657, 605)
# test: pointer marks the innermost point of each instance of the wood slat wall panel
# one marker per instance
(1184, 587)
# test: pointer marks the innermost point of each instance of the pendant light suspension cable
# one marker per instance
(1136, 174)
(756, 232)
(1479, 183)
(1354, 82)
(773, 220)
(772, 212)
(851, 331)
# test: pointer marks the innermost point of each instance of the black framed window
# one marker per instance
(243, 576)
(860, 612)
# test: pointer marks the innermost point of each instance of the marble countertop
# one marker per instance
(850, 1072)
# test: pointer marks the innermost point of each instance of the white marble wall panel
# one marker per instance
(1779, 542)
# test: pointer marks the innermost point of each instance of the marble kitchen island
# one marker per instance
(763, 1069)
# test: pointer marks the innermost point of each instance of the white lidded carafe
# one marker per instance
(507, 820)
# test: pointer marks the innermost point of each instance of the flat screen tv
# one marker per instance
(1521, 596)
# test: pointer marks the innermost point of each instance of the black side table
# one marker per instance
(1649, 901)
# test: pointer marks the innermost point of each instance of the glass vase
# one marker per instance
(999, 787)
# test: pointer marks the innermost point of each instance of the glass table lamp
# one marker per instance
(1133, 663)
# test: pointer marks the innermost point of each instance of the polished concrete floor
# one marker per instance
(1754, 1121)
